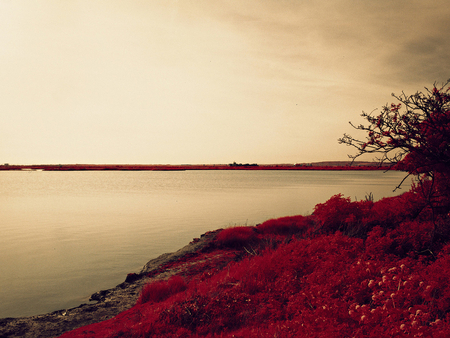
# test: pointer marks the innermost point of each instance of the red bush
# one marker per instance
(161, 290)
(284, 226)
(391, 211)
(236, 237)
(340, 214)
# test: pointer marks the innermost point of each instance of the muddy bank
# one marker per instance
(109, 302)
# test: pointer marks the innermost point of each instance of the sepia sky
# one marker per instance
(206, 81)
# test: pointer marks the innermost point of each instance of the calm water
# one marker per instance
(66, 235)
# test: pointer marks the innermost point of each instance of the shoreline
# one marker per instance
(341, 165)
(363, 266)
(110, 302)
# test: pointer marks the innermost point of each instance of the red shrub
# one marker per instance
(389, 212)
(284, 226)
(236, 237)
(410, 238)
(161, 290)
(340, 214)
(436, 292)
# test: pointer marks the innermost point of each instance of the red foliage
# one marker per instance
(236, 237)
(340, 214)
(284, 226)
(391, 211)
(415, 140)
(352, 269)
(161, 290)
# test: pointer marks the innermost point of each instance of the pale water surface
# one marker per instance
(66, 235)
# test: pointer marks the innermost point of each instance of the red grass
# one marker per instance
(352, 269)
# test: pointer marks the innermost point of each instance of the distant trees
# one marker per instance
(234, 164)
(412, 135)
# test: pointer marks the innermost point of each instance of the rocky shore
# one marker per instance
(109, 302)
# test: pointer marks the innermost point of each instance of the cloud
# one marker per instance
(422, 60)
(398, 41)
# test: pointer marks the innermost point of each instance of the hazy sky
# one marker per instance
(206, 81)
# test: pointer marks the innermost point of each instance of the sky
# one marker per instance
(206, 81)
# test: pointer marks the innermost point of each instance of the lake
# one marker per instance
(66, 235)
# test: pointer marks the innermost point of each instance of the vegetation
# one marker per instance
(234, 164)
(413, 135)
(171, 167)
(351, 269)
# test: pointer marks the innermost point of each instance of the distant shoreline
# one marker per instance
(183, 167)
